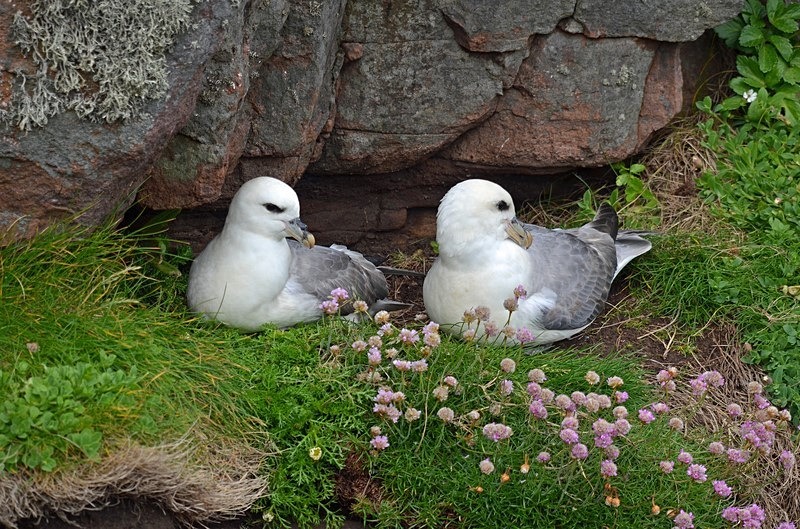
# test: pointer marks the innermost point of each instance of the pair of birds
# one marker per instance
(265, 268)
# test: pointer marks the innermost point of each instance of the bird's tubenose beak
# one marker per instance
(517, 233)
(297, 230)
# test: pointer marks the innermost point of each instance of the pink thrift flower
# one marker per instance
(402, 365)
(408, 336)
(612, 452)
(507, 365)
(615, 382)
(490, 329)
(608, 468)
(506, 387)
(721, 488)
(431, 327)
(380, 442)
(579, 451)
(486, 466)
(565, 403)
(716, 448)
(446, 414)
(534, 389)
(419, 366)
(592, 378)
(786, 525)
(739, 456)
(620, 396)
(667, 466)
(646, 416)
(676, 423)
(659, 407)
(570, 421)
(451, 381)
(537, 409)
(497, 431)
(622, 427)
(620, 412)
(697, 472)
(520, 292)
(384, 396)
(685, 457)
(374, 356)
(329, 306)
(734, 410)
(787, 459)
(578, 397)
(524, 335)
(761, 401)
(359, 346)
(536, 375)
(432, 339)
(569, 436)
(543, 457)
(339, 294)
(441, 393)
(603, 440)
(683, 520)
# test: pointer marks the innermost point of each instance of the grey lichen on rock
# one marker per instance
(101, 58)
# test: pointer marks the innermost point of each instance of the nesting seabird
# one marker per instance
(251, 274)
(485, 253)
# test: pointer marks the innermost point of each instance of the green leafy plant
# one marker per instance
(765, 34)
(45, 417)
(632, 197)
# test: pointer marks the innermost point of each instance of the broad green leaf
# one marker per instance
(729, 31)
(785, 23)
(739, 85)
(748, 67)
(773, 7)
(732, 103)
(767, 57)
(88, 441)
(783, 45)
(792, 75)
(791, 110)
(792, 11)
(751, 37)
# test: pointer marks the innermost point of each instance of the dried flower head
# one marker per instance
(508, 365)
(592, 378)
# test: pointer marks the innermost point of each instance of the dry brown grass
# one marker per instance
(195, 485)
(763, 480)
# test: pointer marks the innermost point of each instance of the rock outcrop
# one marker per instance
(362, 93)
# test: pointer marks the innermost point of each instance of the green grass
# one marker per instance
(117, 359)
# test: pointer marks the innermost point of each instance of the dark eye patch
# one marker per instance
(502, 205)
(272, 208)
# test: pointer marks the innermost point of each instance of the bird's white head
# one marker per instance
(474, 211)
(268, 207)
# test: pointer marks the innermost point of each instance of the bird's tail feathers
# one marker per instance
(392, 271)
(605, 220)
(629, 245)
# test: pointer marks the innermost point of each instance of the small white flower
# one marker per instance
(750, 95)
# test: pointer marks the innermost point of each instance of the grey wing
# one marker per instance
(578, 266)
(321, 269)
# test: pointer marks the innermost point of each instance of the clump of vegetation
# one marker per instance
(103, 60)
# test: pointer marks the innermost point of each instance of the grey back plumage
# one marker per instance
(321, 269)
(582, 263)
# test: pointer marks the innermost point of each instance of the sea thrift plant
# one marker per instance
(583, 431)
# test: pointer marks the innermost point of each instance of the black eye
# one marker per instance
(502, 205)
(272, 208)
